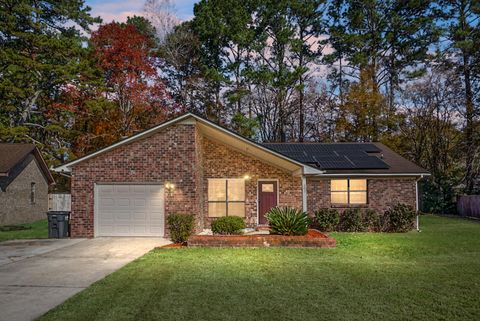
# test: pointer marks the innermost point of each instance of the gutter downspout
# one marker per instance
(304, 193)
(417, 207)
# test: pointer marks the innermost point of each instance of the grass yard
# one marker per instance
(35, 230)
(432, 275)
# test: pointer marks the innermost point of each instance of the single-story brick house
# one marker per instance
(192, 165)
(24, 181)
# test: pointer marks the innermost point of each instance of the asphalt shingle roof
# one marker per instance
(13, 160)
(337, 158)
(12, 154)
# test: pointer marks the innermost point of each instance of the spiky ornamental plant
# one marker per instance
(288, 221)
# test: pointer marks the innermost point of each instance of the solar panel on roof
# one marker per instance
(336, 165)
(333, 156)
(371, 162)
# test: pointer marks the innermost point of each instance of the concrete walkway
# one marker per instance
(37, 275)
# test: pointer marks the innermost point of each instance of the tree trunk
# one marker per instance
(469, 114)
(469, 107)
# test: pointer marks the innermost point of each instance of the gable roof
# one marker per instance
(15, 157)
(350, 158)
(213, 127)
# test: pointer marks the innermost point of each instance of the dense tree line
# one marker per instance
(405, 73)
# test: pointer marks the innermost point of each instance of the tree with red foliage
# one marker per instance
(122, 93)
(131, 81)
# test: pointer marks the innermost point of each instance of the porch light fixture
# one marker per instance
(170, 186)
(246, 177)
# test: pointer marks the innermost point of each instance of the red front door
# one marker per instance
(267, 198)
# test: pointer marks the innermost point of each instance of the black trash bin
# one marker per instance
(58, 224)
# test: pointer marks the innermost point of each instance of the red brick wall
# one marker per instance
(221, 161)
(382, 193)
(167, 156)
(199, 177)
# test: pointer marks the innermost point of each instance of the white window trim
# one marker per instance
(348, 204)
(226, 196)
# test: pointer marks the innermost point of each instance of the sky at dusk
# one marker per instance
(118, 10)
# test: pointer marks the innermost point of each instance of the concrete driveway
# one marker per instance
(37, 275)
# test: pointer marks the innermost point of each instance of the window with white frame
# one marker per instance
(226, 197)
(348, 191)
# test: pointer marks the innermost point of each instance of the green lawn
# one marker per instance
(35, 230)
(432, 275)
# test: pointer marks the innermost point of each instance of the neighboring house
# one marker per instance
(191, 165)
(24, 180)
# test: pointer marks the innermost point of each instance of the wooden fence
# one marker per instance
(59, 202)
(469, 205)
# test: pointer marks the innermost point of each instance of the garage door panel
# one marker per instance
(139, 215)
(105, 189)
(130, 210)
(140, 229)
(106, 203)
(140, 203)
(123, 202)
(156, 230)
(156, 215)
(139, 189)
(107, 216)
(122, 230)
(156, 203)
(122, 189)
(121, 216)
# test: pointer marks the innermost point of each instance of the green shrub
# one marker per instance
(400, 218)
(351, 220)
(383, 224)
(371, 220)
(228, 225)
(180, 226)
(288, 221)
(327, 219)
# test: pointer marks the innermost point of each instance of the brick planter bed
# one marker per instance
(314, 238)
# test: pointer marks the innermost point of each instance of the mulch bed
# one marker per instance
(315, 233)
(174, 246)
(314, 238)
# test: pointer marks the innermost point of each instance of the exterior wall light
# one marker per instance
(170, 186)
(246, 177)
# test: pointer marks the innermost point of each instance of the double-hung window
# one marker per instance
(348, 191)
(226, 197)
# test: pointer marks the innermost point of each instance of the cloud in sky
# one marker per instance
(110, 10)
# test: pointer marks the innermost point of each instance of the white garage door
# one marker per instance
(129, 210)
